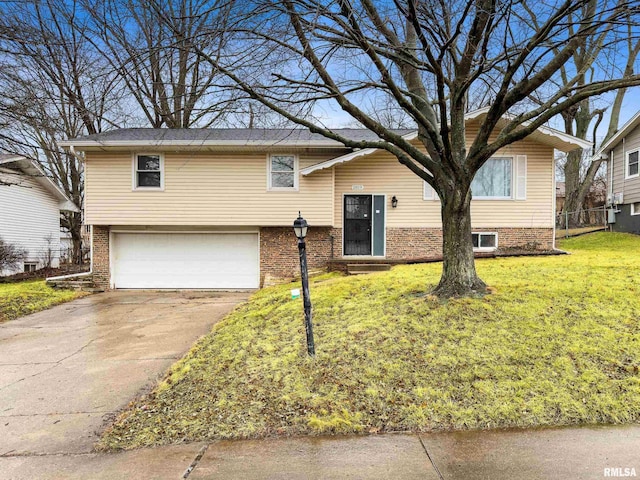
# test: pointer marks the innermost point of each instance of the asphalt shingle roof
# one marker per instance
(226, 134)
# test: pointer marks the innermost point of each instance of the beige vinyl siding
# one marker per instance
(381, 173)
(630, 188)
(203, 189)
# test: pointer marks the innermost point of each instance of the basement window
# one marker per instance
(484, 241)
(29, 267)
(635, 208)
(148, 171)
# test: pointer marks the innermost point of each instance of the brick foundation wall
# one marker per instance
(279, 248)
(523, 238)
(100, 255)
(412, 243)
(279, 258)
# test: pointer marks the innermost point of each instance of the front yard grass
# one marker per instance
(557, 343)
(21, 298)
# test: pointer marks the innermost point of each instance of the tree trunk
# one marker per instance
(459, 275)
(77, 247)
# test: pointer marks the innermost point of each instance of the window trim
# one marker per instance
(134, 167)
(632, 209)
(514, 179)
(296, 172)
(485, 249)
(426, 187)
(626, 165)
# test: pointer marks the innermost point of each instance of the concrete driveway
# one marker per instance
(66, 370)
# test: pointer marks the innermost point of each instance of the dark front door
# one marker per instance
(357, 225)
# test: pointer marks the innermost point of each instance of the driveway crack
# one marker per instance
(195, 462)
(53, 364)
(433, 464)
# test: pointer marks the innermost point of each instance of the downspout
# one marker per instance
(72, 150)
(624, 165)
(611, 174)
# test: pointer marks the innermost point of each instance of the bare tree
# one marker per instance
(55, 86)
(615, 58)
(10, 255)
(158, 62)
(429, 57)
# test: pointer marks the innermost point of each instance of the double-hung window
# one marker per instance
(148, 172)
(283, 172)
(632, 164)
(494, 180)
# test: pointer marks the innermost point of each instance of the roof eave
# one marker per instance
(610, 144)
(30, 167)
(349, 156)
(205, 143)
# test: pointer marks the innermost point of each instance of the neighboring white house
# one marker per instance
(30, 205)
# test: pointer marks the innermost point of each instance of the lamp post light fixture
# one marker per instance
(300, 227)
(394, 201)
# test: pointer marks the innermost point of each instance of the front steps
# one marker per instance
(82, 283)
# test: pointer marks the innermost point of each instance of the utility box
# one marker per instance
(611, 215)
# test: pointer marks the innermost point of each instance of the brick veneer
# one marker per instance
(279, 255)
(410, 243)
(279, 248)
(279, 252)
(100, 257)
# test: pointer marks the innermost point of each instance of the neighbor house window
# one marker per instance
(635, 208)
(632, 164)
(283, 172)
(30, 267)
(148, 171)
(494, 179)
(484, 241)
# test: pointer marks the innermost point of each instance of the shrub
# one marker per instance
(10, 255)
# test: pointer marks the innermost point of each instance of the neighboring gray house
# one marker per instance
(30, 205)
(622, 152)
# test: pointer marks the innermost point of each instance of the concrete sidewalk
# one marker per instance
(567, 453)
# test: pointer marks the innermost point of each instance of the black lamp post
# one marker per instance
(300, 228)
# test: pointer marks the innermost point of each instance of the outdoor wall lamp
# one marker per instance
(300, 227)
(394, 201)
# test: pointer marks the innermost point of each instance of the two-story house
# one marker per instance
(213, 208)
(622, 154)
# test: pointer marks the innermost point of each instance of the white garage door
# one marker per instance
(185, 260)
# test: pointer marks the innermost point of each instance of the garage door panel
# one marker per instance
(180, 260)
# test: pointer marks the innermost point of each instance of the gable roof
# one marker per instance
(549, 136)
(31, 168)
(610, 144)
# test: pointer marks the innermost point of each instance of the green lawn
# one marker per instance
(21, 298)
(557, 343)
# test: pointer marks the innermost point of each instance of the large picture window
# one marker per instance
(494, 179)
(283, 172)
(148, 171)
